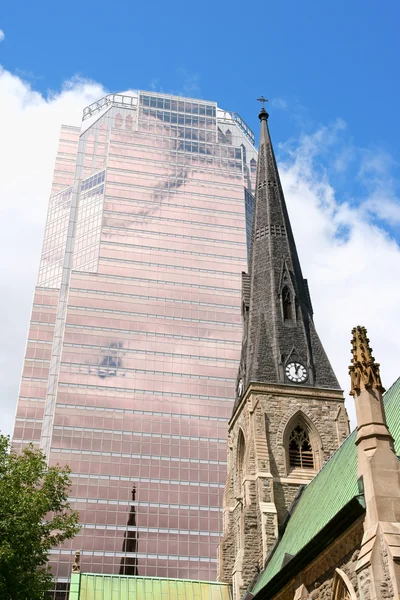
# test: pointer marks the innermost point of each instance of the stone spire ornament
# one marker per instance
(378, 468)
(367, 389)
(364, 371)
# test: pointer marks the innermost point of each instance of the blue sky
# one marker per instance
(316, 61)
(330, 71)
(325, 59)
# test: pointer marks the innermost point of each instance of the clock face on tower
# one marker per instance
(296, 372)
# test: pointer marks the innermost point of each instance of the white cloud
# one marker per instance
(351, 263)
(2, 35)
(279, 103)
(352, 276)
(30, 126)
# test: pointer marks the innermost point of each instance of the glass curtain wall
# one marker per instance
(135, 333)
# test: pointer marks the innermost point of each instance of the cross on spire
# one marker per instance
(262, 100)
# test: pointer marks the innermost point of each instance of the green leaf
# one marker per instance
(34, 516)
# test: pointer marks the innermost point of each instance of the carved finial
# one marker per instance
(263, 113)
(262, 100)
(364, 371)
(76, 567)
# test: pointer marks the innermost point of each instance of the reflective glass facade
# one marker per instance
(135, 333)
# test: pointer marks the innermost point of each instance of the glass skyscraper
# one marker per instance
(135, 333)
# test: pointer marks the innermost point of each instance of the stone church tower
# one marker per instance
(289, 413)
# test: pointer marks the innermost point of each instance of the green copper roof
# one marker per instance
(85, 586)
(330, 490)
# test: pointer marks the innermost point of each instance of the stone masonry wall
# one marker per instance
(319, 575)
(268, 487)
(323, 587)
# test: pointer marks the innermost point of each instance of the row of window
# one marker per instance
(150, 281)
(61, 197)
(53, 244)
(158, 298)
(170, 184)
(213, 151)
(59, 207)
(178, 104)
(178, 459)
(124, 230)
(50, 280)
(204, 163)
(180, 119)
(68, 142)
(168, 266)
(151, 315)
(53, 256)
(92, 181)
(195, 115)
(199, 209)
(145, 333)
(136, 434)
(111, 365)
(133, 391)
(152, 413)
(134, 351)
(68, 156)
(87, 241)
(229, 174)
(136, 554)
(167, 506)
(151, 530)
(178, 133)
(128, 215)
(37, 361)
(215, 165)
(178, 482)
(89, 201)
(58, 222)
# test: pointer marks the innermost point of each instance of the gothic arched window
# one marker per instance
(300, 449)
(342, 588)
(253, 165)
(118, 120)
(241, 449)
(302, 443)
(287, 304)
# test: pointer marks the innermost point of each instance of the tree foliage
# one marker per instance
(34, 516)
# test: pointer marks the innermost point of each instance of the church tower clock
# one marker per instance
(289, 414)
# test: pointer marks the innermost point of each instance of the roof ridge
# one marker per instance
(395, 382)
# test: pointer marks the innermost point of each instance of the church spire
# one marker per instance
(280, 344)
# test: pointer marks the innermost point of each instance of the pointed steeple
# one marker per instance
(280, 344)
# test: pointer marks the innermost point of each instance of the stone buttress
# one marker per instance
(378, 566)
